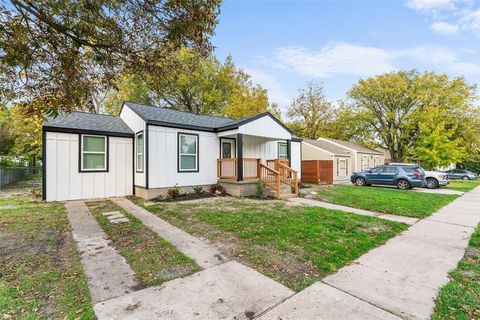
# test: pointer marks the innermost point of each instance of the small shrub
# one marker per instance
(174, 192)
(197, 189)
(217, 188)
(260, 192)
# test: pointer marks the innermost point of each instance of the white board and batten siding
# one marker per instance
(265, 127)
(65, 182)
(163, 158)
(296, 157)
(136, 124)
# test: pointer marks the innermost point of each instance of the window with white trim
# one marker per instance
(187, 152)
(93, 153)
(139, 151)
(282, 150)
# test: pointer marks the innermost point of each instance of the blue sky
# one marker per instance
(284, 44)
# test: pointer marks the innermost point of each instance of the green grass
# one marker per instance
(294, 245)
(153, 259)
(460, 298)
(398, 202)
(461, 185)
(40, 272)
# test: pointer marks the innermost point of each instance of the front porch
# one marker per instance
(240, 176)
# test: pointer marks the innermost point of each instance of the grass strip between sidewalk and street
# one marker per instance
(460, 298)
(295, 245)
(385, 200)
(152, 258)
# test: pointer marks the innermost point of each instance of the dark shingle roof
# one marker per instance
(168, 115)
(328, 146)
(353, 146)
(84, 121)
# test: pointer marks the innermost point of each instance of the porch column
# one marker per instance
(239, 157)
(289, 152)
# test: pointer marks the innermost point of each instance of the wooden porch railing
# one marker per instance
(272, 175)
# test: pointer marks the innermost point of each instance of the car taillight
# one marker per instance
(417, 175)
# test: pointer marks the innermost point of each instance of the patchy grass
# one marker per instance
(460, 298)
(40, 272)
(461, 185)
(294, 245)
(399, 202)
(153, 259)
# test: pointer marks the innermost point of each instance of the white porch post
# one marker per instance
(239, 157)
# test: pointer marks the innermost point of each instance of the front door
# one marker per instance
(228, 148)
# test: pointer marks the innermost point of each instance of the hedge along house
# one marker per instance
(148, 150)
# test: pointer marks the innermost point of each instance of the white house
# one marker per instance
(148, 150)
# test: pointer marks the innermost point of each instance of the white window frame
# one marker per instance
(139, 153)
(339, 162)
(286, 155)
(105, 153)
(180, 154)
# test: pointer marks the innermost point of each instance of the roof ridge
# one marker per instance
(98, 114)
(193, 113)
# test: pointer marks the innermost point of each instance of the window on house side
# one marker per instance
(94, 153)
(282, 151)
(188, 152)
(140, 153)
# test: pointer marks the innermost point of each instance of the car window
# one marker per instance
(377, 170)
(390, 170)
(409, 169)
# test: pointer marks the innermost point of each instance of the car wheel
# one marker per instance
(403, 184)
(466, 178)
(432, 183)
(360, 182)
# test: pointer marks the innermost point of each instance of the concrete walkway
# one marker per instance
(404, 275)
(108, 274)
(226, 291)
(316, 203)
(204, 255)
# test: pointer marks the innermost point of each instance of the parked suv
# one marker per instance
(433, 179)
(461, 174)
(403, 176)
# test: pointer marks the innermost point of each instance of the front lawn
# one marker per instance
(393, 201)
(41, 276)
(153, 259)
(461, 185)
(295, 245)
(460, 298)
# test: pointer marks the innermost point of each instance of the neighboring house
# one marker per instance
(148, 150)
(347, 157)
(324, 150)
(386, 154)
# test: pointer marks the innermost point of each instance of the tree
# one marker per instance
(311, 111)
(128, 88)
(6, 138)
(63, 53)
(411, 113)
(207, 86)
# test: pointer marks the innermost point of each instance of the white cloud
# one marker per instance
(337, 58)
(445, 29)
(276, 91)
(348, 59)
(430, 6)
(470, 21)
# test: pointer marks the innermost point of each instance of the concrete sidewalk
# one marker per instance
(108, 274)
(404, 275)
(204, 255)
(327, 205)
(226, 291)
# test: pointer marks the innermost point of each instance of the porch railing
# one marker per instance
(273, 174)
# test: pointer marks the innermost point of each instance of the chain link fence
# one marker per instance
(11, 175)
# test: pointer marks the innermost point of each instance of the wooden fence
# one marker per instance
(317, 171)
